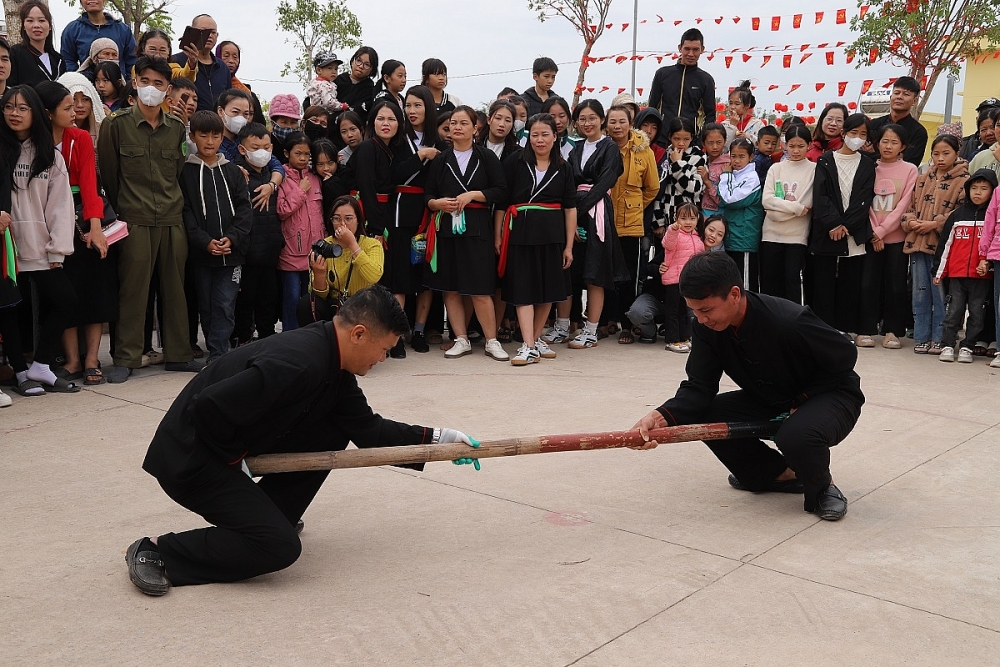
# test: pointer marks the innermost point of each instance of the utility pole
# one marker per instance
(635, 35)
(949, 97)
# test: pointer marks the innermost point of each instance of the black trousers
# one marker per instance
(835, 290)
(884, 297)
(626, 292)
(10, 332)
(803, 440)
(253, 524)
(57, 307)
(781, 270)
(257, 303)
(676, 321)
(747, 262)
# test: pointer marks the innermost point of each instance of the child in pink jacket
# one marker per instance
(989, 247)
(680, 243)
(300, 208)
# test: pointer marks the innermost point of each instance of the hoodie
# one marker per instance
(894, 183)
(42, 212)
(934, 199)
(301, 215)
(741, 195)
(637, 187)
(961, 253)
(646, 115)
(535, 102)
(786, 218)
(81, 33)
(216, 205)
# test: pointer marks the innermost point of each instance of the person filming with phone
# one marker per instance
(213, 77)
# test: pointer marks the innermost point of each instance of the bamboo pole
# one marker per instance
(408, 454)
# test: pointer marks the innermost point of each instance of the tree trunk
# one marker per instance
(11, 9)
(588, 45)
(926, 94)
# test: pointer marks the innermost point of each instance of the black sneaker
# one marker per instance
(183, 366)
(146, 569)
(830, 504)
(398, 350)
(299, 526)
(419, 342)
(774, 486)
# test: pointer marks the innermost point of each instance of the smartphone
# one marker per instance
(194, 37)
(185, 98)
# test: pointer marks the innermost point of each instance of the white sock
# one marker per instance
(591, 328)
(562, 323)
(41, 373)
(23, 377)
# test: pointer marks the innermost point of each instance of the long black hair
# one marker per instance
(23, 12)
(113, 73)
(818, 134)
(40, 132)
(555, 155)
(511, 138)
(424, 94)
(388, 67)
(396, 111)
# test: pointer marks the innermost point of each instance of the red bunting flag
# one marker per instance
(841, 88)
(923, 82)
(621, 59)
(736, 19)
(820, 86)
(819, 17)
(729, 61)
(888, 84)
(719, 20)
(805, 57)
(799, 106)
(767, 59)
(621, 90)
(797, 21)
(829, 57)
(801, 48)
(755, 23)
(746, 57)
(864, 10)
(852, 105)
(873, 54)
(850, 57)
(773, 86)
(812, 105)
(590, 90)
(841, 16)
(603, 88)
(710, 56)
(608, 25)
(775, 23)
(795, 86)
(640, 90)
(624, 27)
(698, 21)
(660, 18)
(866, 85)
(786, 61)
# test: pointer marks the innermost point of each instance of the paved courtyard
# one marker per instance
(596, 558)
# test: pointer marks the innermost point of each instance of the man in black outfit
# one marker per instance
(294, 392)
(785, 360)
(684, 89)
(905, 94)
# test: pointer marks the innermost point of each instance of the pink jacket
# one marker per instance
(710, 195)
(678, 248)
(301, 215)
(989, 243)
(894, 185)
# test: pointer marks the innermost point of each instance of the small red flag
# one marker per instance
(829, 57)
(795, 86)
(873, 54)
(755, 23)
(805, 57)
(719, 20)
(621, 90)
(786, 61)
(767, 59)
(841, 88)
(797, 21)
(736, 19)
(624, 27)
(819, 17)
(866, 85)
(773, 86)
(640, 90)
(746, 57)
(863, 11)
(850, 57)
(841, 16)
(820, 86)
(729, 61)
(775, 23)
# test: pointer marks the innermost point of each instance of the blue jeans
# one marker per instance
(928, 300)
(217, 287)
(293, 286)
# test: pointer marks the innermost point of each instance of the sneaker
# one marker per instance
(525, 355)
(965, 356)
(935, 348)
(146, 568)
(183, 366)
(583, 340)
(419, 342)
(544, 351)
(680, 347)
(996, 362)
(866, 341)
(460, 348)
(495, 349)
(556, 335)
(947, 354)
(5, 400)
(891, 342)
(398, 350)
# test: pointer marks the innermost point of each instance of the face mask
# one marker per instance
(518, 125)
(282, 133)
(150, 96)
(234, 123)
(855, 143)
(258, 158)
(314, 131)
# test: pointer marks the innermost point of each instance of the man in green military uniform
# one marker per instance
(140, 156)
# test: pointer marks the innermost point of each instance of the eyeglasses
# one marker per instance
(363, 64)
(344, 218)
(11, 108)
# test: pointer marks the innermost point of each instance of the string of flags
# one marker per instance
(729, 55)
(842, 86)
(840, 17)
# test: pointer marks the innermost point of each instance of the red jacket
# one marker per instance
(78, 152)
(959, 254)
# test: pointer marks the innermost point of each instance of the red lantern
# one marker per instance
(852, 105)
(778, 122)
(721, 118)
(812, 105)
(720, 107)
(799, 106)
(810, 120)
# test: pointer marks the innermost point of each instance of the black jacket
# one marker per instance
(781, 355)
(828, 210)
(266, 240)
(358, 96)
(26, 68)
(916, 137)
(688, 92)
(484, 173)
(285, 393)
(556, 187)
(212, 80)
(535, 102)
(373, 177)
(409, 170)
(216, 204)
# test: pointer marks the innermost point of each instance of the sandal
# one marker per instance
(62, 386)
(93, 377)
(936, 348)
(921, 348)
(504, 335)
(613, 328)
(29, 388)
(61, 372)
(979, 351)
(625, 337)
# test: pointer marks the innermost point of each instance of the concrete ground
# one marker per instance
(598, 559)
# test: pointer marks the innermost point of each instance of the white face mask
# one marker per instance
(518, 125)
(234, 123)
(151, 96)
(259, 158)
(855, 143)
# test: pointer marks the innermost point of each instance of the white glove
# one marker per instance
(245, 468)
(445, 435)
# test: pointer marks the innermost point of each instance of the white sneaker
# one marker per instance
(682, 347)
(996, 362)
(495, 349)
(583, 340)
(5, 400)
(461, 348)
(947, 354)
(556, 335)
(965, 356)
(525, 355)
(544, 351)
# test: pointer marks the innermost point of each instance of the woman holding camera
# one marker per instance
(350, 261)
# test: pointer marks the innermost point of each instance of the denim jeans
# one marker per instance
(217, 289)
(928, 300)
(293, 285)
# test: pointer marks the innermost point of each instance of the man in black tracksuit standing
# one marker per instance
(684, 89)
(785, 361)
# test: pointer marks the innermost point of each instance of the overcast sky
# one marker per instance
(489, 44)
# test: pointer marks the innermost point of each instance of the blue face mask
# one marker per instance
(282, 133)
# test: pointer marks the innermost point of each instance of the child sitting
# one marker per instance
(959, 260)
(680, 243)
(713, 233)
(739, 190)
(767, 142)
(323, 91)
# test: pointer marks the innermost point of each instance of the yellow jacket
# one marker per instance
(637, 187)
(367, 268)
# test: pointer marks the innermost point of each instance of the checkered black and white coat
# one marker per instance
(679, 183)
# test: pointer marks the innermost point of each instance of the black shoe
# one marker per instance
(419, 342)
(830, 505)
(146, 569)
(183, 366)
(774, 486)
(197, 351)
(398, 350)
(299, 526)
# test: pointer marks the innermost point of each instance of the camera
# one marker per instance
(326, 249)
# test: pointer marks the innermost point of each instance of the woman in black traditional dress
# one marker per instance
(463, 184)
(534, 235)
